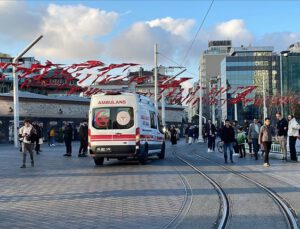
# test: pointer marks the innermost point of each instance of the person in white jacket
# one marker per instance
(293, 132)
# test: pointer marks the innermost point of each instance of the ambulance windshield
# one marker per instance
(113, 118)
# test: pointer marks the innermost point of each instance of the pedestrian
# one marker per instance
(191, 135)
(186, 133)
(37, 137)
(227, 138)
(52, 134)
(210, 132)
(248, 140)
(173, 134)
(20, 139)
(83, 137)
(196, 133)
(265, 138)
(235, 144)
(253, 134)
(204, 134)
(241, 140)
(29, 134)
(68, 135)
(282, 130)
(293, 133)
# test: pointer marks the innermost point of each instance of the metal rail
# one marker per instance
(285, 208)
(222, 195)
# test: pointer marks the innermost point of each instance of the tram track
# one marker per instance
(186, 205)
(286, 209)
(224, 210)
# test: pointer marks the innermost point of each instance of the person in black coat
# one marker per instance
(68, 136)
(173, 133)
(83, 137)
(227, 137)
(37, 137)
(210, 132)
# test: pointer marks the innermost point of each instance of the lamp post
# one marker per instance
(155, 76)
(265, 111)
(285, 53)
(200, 138)
(16, 89)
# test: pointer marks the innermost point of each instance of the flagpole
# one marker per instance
(155, 76)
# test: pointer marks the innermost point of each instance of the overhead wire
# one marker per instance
(195, 37)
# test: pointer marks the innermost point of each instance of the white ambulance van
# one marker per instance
(124, 125)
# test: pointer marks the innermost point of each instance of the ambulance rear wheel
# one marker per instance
(161, 155)
(143, 158)
(99, 160)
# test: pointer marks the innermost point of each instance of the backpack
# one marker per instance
(32, 136)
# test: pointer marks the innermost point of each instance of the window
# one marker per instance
(113, 118)
(153, 120)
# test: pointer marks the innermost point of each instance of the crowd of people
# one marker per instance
(31, 138)
(257, 135)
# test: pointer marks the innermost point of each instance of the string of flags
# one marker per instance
(95, 72)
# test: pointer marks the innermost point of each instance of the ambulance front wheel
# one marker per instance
(99, 160)
(143, 157)
(162, 152)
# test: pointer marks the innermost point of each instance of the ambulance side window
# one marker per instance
(153, 121)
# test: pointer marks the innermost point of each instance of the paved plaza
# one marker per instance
(62, 192)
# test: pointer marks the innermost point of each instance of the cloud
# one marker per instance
(17, 22)
(280, 40)
(72, 32)
(179, 27)
(137, 43)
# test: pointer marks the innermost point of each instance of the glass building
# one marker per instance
(249, 66)
(291, 79)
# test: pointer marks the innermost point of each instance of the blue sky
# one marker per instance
(129, 29)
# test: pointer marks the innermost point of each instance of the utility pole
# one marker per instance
(264, 98)
(16, 89)
(155, 77)
(281, 89)
(200, 138)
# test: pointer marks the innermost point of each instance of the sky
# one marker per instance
(126, 31)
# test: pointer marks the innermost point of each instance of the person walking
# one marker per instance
(186, 133)
(173, 133)
(68, 135)
(282, 129)
(37, 137)
(52, 134)
(265, 138)
(29, 134)
(83, 137)
(293, 133)
(248, 140)
(227, 138)
(191, 135)
(196, 133)
(253, 134)
(235, 143)
(210, 132)
(241, 140)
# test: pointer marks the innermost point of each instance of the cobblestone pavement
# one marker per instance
(62, 192)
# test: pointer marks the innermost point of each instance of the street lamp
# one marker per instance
(16, 89)
(284, 53)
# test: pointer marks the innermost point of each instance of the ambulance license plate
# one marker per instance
(104, 149)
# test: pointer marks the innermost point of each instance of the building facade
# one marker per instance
(249, 66)
(209, 68)
(291, 78)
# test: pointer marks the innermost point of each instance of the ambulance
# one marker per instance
(124, 125)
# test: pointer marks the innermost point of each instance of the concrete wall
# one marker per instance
(43, 110)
